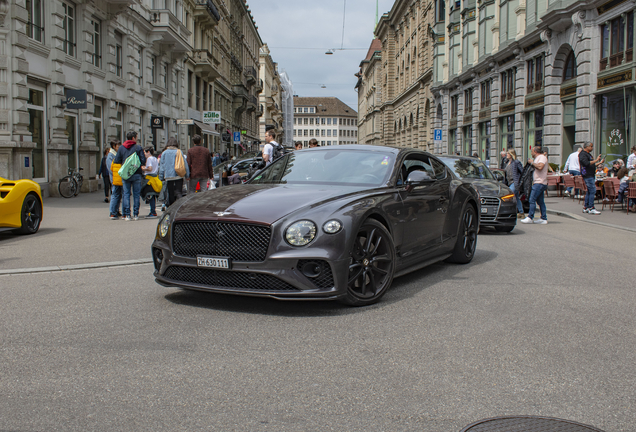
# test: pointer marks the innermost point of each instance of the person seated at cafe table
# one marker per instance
(623, 176)
(616, 165)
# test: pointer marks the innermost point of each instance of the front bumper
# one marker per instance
(280, 276)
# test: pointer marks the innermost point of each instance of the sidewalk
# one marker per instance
(571, 208)
(79, 231)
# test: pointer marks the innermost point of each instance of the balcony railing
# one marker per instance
(250, 73)
(533, 87)
(485, 103)
(210, 8)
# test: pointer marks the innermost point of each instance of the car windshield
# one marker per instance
(329, 166)
(467, 168)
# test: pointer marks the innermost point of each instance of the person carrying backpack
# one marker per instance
(168, 168)
(132, 184)
(272, 150)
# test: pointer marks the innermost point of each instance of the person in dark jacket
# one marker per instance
(514, 170)
(588, 172)
(199, 164)
(103, 171)
(133, 183)
(504, 160)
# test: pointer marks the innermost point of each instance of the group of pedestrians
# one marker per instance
(197, 167)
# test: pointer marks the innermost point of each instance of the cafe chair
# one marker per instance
(568, 182)
(611, 193)
(631, 193)
(580, 185)
(553, 181)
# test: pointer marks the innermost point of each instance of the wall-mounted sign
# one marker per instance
(226, 137)
(185, 122)
(534, 101)
(26, 161)
(156, 122)
(614, 79)
(211, 117)
(236, 137)
(75, 99)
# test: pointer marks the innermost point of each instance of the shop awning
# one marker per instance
(206, 129)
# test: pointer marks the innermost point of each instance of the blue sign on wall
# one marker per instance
(26, 161)
(237, 137)
(438, 134)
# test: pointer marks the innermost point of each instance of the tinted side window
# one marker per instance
(439, 168)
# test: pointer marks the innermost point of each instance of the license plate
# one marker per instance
(484, 210)
(222, 263)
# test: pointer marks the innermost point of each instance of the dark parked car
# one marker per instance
(498, 205)
(244, 167)
(326, 223)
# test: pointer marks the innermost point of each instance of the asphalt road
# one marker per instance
(540, 323)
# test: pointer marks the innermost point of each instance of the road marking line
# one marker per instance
(71, 267)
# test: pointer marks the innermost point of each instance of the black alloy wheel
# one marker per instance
(371, 264)
(466, 237)
(31, 214)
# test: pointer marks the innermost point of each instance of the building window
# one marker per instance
(305, 132)
(507, 20)
(306, 121)
(484, 142)
(569, 71)
(454, 105)
(311, 110)
(197, 93)
(508, 84)
(164, 77)
(322, 121)
(468, 140)
(97, 43)
(311, 121)
(534, 129)
(468, 101)
(140, 65)
(35, 21)
(153, 69)
(535, 74)
(175, 84)
(190, 95)
(485, 94)
(507, 132)
(328, 132)
(441, 10)
(615, 124)
(486, 17)
(613, 50)
(322, 132)
(329, 120)
(311, 132)
(68, 24)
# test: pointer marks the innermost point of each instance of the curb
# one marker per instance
(75, 267)
(583, 219)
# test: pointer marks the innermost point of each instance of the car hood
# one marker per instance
(489, 187)
(258, 203)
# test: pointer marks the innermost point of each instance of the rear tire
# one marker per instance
(67, 187)
(466, 237)
(30, 215)
(371, 264)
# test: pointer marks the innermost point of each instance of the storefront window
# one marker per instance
(534, 130)
(615, 122)
(468, 140)
(451, 141)
(97, 132)
(507, 132)
(38, 130)
(484, 142)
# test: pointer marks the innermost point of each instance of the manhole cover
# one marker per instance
(528, 424)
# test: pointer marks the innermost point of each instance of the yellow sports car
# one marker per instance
(20, 206)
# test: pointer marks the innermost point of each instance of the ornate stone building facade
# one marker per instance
(517, 73)
(136, 59)
(394, 96)
(271, 96)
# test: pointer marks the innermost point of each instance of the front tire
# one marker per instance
(371, 264)
(466, 237)
(30, 215)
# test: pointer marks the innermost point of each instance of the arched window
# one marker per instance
(569, 71)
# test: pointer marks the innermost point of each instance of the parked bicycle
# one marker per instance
(71, 185)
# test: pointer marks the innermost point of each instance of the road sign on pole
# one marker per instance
(236, 137)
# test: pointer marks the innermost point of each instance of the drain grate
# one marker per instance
(528, 424)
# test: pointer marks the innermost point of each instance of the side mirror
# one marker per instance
(498, 176)
(418, 177)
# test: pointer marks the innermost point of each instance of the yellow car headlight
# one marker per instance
(164, 225)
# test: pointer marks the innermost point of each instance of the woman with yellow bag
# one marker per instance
(150, 170)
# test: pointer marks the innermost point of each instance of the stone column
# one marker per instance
(585, 82)
(520, 96)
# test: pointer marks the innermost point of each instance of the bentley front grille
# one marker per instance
(239, 242)
(245, 281)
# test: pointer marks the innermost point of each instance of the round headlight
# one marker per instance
(300, 233)
(164, 225)
(332, 226)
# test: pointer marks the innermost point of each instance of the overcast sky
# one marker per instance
(312, 27)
